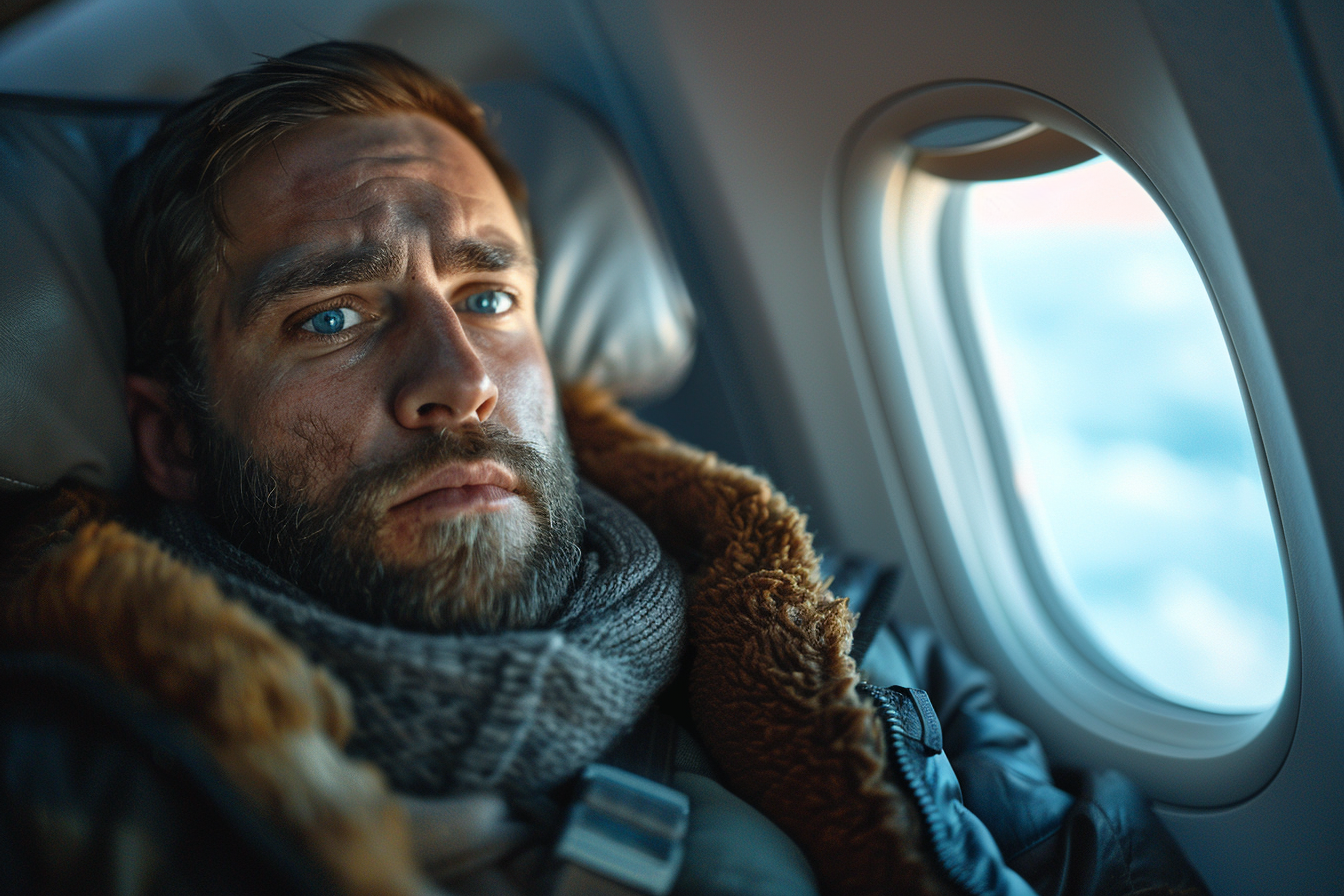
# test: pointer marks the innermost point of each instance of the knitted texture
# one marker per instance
(772, 685)
(273, 721)
(517, 711)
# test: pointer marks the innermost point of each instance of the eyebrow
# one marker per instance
(366, 264)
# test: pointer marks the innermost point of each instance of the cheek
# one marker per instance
(527, 400)
(318, 428)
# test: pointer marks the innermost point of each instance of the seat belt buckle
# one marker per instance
(626, 828)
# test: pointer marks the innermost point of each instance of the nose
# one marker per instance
(445, 384)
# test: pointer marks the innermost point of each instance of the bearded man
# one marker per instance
(416, 647)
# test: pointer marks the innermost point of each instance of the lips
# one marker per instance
(479, 484)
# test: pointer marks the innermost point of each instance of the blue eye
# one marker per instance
(491, 301)
(332, 321)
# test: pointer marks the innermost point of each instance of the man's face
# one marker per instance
(382, 417)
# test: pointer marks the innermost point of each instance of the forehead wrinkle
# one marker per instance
(397, 208)
(372, 246)
(457, 243)
(353, 175)
(301, 270)
(385, 195)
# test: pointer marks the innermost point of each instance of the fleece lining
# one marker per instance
(772, 685)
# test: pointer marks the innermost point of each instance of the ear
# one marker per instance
(162, 439)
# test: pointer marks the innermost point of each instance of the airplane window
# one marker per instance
(1127, 443)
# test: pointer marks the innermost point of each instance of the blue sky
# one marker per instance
(1132, 445)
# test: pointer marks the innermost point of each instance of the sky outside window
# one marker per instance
(1132, 452)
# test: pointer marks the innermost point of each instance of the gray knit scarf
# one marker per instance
(517, 711)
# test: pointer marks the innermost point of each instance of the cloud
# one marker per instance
(1189, 641)
(1131, 447)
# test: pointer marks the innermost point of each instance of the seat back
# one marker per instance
(611, 305)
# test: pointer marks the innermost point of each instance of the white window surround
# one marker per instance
(887, 224)
(1050, 551)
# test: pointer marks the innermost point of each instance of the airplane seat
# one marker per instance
(611, 304)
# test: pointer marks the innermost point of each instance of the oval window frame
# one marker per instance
(1046, 568)
(887, 228)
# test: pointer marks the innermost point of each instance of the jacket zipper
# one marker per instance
(910, 767)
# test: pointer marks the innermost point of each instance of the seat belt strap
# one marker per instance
(649, 750)
(624, 836)
(575, 880)
(876, 611)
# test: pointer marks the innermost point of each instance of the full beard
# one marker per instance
(478, 572)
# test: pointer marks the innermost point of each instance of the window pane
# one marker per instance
(1131, 450)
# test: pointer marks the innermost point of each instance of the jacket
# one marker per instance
(160, 737)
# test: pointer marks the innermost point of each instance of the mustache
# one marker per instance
(377, 487)
(327, 541)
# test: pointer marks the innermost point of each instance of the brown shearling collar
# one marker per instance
(772, 686)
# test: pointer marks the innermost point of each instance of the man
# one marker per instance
(366, 576)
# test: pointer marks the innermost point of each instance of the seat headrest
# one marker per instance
(611, 305)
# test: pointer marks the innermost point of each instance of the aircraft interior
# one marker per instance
(1035, 306)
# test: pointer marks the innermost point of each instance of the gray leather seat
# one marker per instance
(611, 304)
